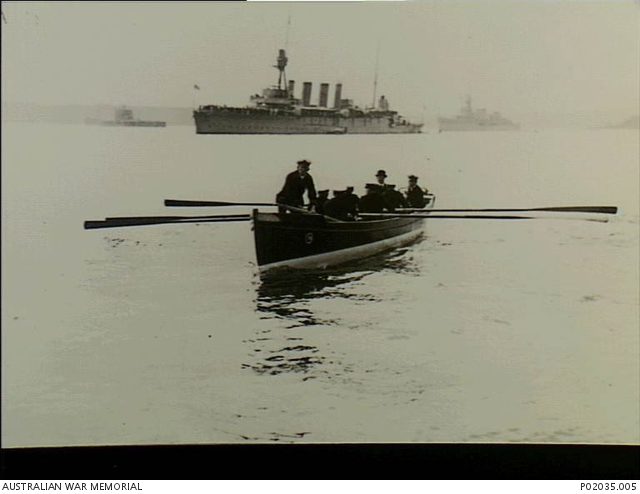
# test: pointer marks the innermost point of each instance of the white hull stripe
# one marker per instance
(343, 255)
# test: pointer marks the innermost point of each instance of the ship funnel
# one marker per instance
(324, 95)
(338, 96)
(306, 94)
(291, 87)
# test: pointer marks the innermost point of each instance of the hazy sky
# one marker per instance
(517, 57)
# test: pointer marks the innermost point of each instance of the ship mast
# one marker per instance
(286, 38)
(281, 64)
(375, 77)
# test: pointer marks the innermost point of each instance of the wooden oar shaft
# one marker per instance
(477, 217)
(559, 209)
(143, 221)
(212, 216)
(189, 204)
(446, 216)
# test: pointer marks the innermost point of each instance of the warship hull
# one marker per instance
(113, 123)
(470, 119)
(249, 121)
(455, 125)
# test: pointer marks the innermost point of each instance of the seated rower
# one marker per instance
(352, 202)
(323, 197)
(415, 194)
(338, 207)
(393, 199)
(372, 202)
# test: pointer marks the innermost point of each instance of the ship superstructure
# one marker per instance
(480, 119)
(278, 111)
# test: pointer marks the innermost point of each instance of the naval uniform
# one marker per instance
(415, 197)
(294, 188)
(341, 207)
(371, 203)
(393, 199)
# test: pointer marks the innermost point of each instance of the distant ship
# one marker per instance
(277, 111)
(124, 117)
(470, 119)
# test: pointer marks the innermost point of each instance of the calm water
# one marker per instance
(480, 332)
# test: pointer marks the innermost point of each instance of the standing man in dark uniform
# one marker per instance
(415, 195)
(295, 185)
(380, 176)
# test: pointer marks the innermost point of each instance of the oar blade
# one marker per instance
(582, 209)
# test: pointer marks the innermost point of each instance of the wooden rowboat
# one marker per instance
(309, 241)
(300, 239)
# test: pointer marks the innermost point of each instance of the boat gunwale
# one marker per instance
(340, 227)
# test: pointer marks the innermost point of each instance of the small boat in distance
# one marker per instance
(480, 119)
(124, 118)
(310, 241)
(278, 111)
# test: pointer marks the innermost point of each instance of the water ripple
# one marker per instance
(287, 298)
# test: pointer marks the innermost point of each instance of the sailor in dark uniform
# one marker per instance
(372, 202)
(342, 206)
(393, 199)
(415, 195)
(323, 197)
(295, 185)
(351, 201)
(336, 207)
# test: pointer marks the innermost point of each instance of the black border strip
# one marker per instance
(325, 461)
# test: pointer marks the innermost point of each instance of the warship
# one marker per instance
(470, 119)
(278, 111)
(124, 117)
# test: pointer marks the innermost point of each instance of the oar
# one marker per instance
(212, 216)
(189, 204)
(560, 209)
(160, 220)
(474, 217)
(430, 216)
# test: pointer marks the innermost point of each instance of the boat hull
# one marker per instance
(301, 241)
(248, 121)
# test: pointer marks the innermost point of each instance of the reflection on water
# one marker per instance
(288, 296)
(285, 294)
